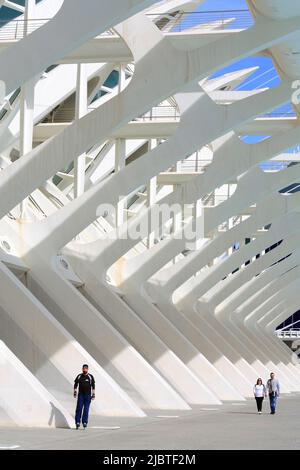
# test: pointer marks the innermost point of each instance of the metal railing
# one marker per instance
(171, 112)
(212, 200)
(275, 165)
(218, 19)
(191, 165)
(160, 112)
(19, 28)
(67, 114)
(63, 114)
(60, 115)
(278, 114)
(288, 334)
(164, 112)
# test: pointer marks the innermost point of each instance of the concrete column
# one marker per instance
(120, 158)
(28, 15)
(80, 110)
(120, 155)
(26, 103)
(178, 165)
(151, 196)
(26, 117)
(37, 406)
(46, 337)
(197, 213)
(178, 217)
(122, 77)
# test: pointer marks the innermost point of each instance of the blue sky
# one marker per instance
(264, 76)
(223, 5)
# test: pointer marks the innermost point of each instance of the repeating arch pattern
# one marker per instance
(164, 321)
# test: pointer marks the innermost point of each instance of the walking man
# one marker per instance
(86, 393)
(273, 388)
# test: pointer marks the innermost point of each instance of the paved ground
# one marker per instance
(230, 426)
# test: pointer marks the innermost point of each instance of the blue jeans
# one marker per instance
(273, 402)
(83, 404)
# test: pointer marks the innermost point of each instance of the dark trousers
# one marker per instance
(259, 402)
(82, 408)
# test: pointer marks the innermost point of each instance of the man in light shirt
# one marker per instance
(273, 388)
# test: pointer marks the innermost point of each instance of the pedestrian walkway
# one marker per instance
(229, 426)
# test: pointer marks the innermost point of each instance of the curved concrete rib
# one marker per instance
(259, 312)
(59, 84)
(273, 311)
(260, 344)
(156, 317)
(189, 353)
(107, 251)
(225, 313)
(156, 258)
(250, 294)
(231, 159)
(207, 280)
(190, 387)
(59, 230)
(104, 342)
(71, 220)
(58, 346)
(167, 76)
(37, 407)
(53, 40)
(279, 314)
(252, 271)
(119, 247)
(195, 361)
(235, 260)
(261, 217)
(226, 239)
(161, 319)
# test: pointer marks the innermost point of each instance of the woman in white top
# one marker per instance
(260, 392)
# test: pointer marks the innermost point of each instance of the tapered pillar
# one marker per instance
(80, 111)
(26, 103)
(120, 156)
(151, 197)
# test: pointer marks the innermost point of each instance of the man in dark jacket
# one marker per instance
(86, 384)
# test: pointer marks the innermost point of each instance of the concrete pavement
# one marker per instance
(229, 426)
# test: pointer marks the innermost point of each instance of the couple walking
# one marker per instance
(272, 389)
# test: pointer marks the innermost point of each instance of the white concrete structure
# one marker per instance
(110, 113)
